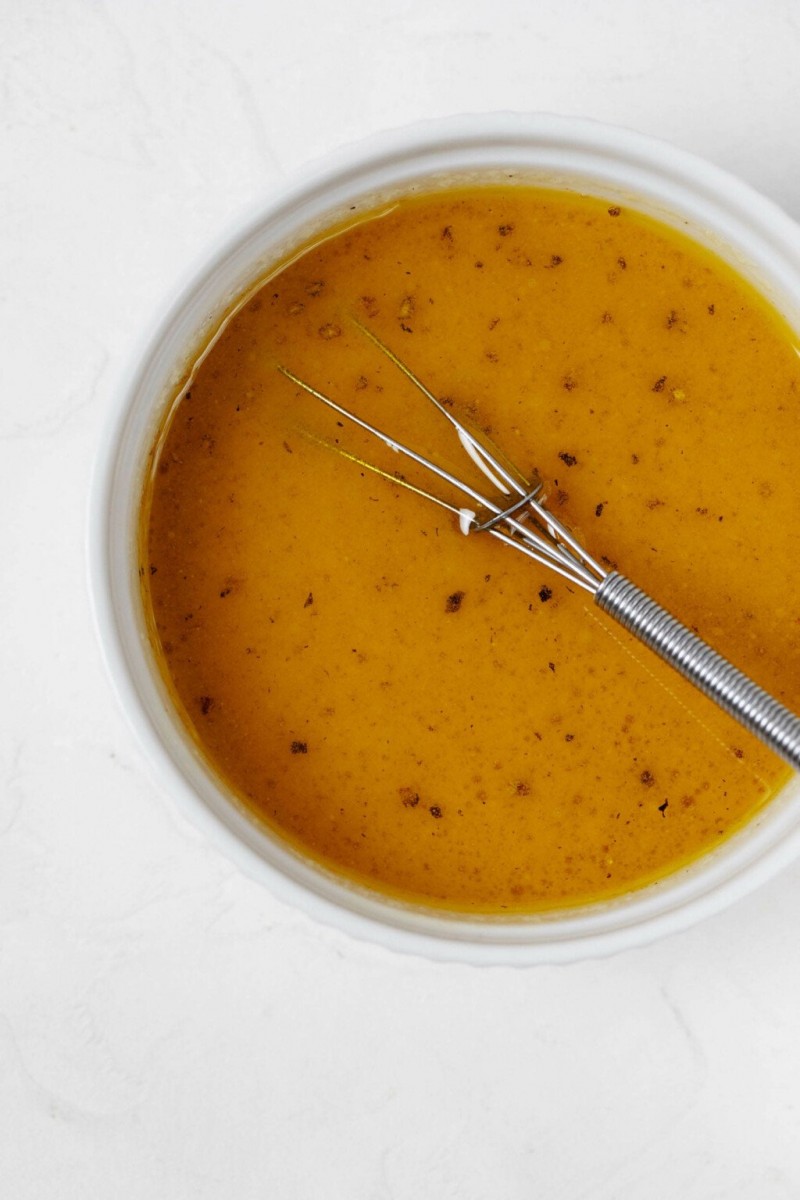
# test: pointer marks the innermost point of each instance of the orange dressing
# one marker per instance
(431, 714)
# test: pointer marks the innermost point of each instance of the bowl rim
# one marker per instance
(573, 934)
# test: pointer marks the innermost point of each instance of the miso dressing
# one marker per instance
(431, 714)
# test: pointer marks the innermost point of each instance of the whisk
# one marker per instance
(518, 517)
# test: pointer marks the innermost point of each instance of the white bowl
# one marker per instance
(683, 191)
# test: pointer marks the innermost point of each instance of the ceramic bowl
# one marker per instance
(712, 207)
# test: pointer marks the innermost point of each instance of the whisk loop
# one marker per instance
(521, 520)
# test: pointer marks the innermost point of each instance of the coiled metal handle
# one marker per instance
(732, 690)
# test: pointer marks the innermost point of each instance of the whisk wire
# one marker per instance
(548, 541)
(477, 451)
(548, 552)
(559, 539)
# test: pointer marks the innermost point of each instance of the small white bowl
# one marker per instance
(624, 167)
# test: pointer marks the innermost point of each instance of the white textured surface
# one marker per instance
(167, 1029)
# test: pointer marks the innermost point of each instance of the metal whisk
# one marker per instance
(519, 518)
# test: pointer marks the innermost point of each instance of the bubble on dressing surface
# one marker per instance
(466, 518)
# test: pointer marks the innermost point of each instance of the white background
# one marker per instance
(167, 1028)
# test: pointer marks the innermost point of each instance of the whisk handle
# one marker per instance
(732, 690)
